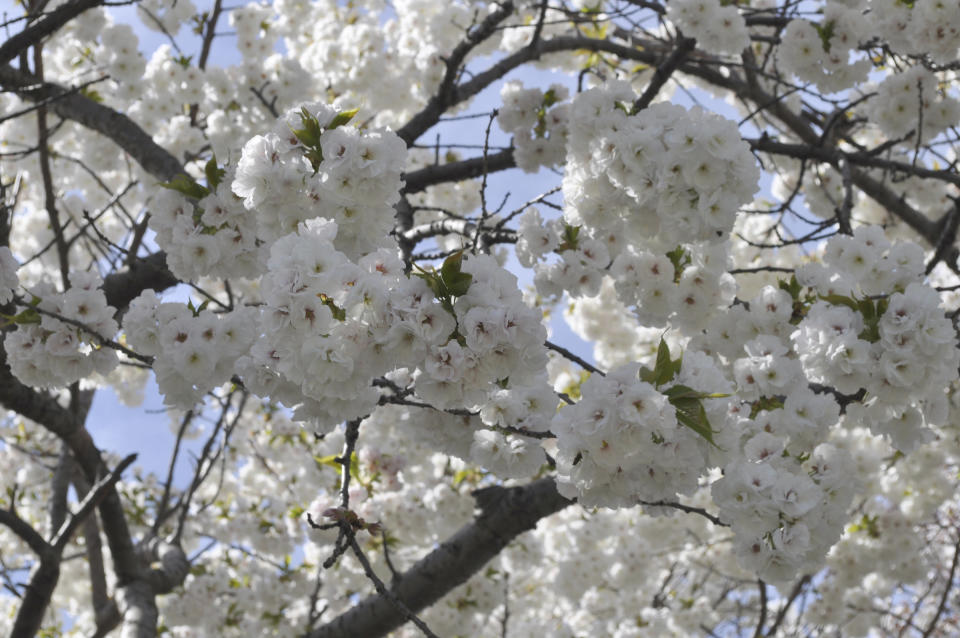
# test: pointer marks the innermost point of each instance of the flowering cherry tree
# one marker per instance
(749, 215)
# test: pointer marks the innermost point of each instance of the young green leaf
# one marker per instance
(185, 185)
(214, 174)
(341, 118)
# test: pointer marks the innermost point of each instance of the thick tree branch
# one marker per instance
(24, 531)
(446, 94)
(505, 513)
(90, 501)
(419, 180)
(150, 272)
(663, 72)
(116, 126)
(42, 28)
(46, 572)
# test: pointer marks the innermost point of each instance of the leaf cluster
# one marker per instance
(448, 282)
(311, 131)
(687, 402)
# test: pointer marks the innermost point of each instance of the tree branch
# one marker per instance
(42, 28)
(114, 125)
(46, 573)
(446, 94)
(505, 513)
(419, 180)
(684, 47)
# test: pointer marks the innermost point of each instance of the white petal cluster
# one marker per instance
(194, 351)
(325, 326)
(8, 275)
(507, 456)
(502, 340)
(167, 15)
(216, 237)
(923, 28)
(121, 54)
(355, 185)
(538, 123)
(665, 172)
(785, 515)
(866, 263)
(649, 284)
(273, 188)
(906, 100)
(622, 443)
(906, 362)
(52, 353)
(718, 28)
(821, 52)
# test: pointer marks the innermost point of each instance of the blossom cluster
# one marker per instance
(924, 28)
(910, 101)
(502, 344)
(213, 237)
(718, 27)
(312, 164)
(622, 443)
(46, 352)
(901, 348)
(194, 350)
(326, 326)
(684, 286)
(582, 260)
(821, 52)
(331, 325)
(665, 174)
(538, 122)
(786, 515)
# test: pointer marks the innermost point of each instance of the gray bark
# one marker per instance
(505, 513)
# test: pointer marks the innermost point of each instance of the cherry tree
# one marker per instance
(747, 211)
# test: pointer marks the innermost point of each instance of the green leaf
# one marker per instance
(825, 31)
(765, 403)
(91, 94)
(338, 313)
(327, 461)
(867, 524)
(550, 98)
(214, 174)
(679, 392)
(680, 259)
(842, 300)
(571, 236)
(665, 369)
(433, 282)
(309, 135)
(341, 118)
(792, 287)
(690, 413)
(27, 316)
(455, 281)
(185, 185)
(197, 310)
